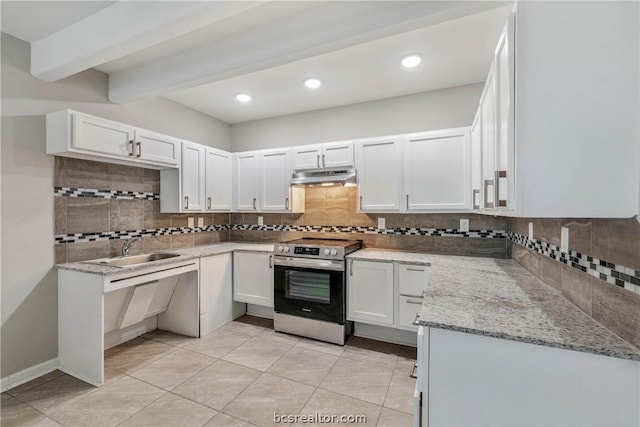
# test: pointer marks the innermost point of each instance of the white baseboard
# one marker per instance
(382, 333)
(26, 375)
(260, 311)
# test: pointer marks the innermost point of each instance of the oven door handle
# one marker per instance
(317, 264)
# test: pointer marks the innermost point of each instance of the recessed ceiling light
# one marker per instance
(312, 83)
(243, 97)
(411, 61)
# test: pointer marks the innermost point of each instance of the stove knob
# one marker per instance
(334, 252)
(280, 248)
(286, 249)
(326, 251)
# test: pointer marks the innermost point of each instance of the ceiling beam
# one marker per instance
(124, 28)
(325, 28)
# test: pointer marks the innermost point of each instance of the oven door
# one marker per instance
(310, 288)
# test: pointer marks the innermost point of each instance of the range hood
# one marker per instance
(339, 176)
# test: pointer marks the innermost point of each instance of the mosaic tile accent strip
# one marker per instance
(624, 277)
(104, 194)
(130, 234)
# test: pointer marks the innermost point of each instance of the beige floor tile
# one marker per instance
(35, 382)
(366, 381)
(242, 328)
(391, 418)
(378, 352)
(224, 420)
(110, 405)
(267, 396)
(405, 365)
(323, 347)
(218, 343)
(400, 393)
(170, 338)
(173, 369)
(14, 413)
(57, 393)
(218, 384)
(258, 353)
(333, 406)
(302, 365)
(171, 410)
(135, 354)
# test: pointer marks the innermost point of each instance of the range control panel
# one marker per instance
(309, 251)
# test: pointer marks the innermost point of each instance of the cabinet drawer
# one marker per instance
(408, 308)
(413, 279)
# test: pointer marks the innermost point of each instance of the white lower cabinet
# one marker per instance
(370, 292)
(412, 280)
(253, 278)
(470, 380)
(216, 292)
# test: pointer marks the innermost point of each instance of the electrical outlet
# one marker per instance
(260, 220)
(464, 224)
(564, 239)
(190, 222)
(531, 231)
(381, 223)
(200, 222)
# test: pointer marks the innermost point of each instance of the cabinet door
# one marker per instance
(379, 175)
(102, 136)
(217, 180)
(437, 170)
(216, 292)
(488, 132)
(308, 157)
(370, 291)
(337, 155)
(505, 137)
(476, 161)
(253, 278)
(275, 180)
(192, 175)
(156, 148)
(246, 181)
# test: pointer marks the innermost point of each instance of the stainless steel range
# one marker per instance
(310, 291)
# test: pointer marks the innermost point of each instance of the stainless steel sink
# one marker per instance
(124, 261)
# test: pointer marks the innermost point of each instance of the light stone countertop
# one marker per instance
(186, 254)
(499, 298)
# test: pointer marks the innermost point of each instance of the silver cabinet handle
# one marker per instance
(186, 202)
(360, 202)
(498, 201)
(415, 269)
(407, 201)
(286, 203)
(476, 199)
(318, 160)
(487, 183)
(412, 301)
(270, 261)
(254, 204)
(324, 165)
(420, 297)
(139, 144)
(414, 371)
(131, 148)
(208, 202)
(351, 267)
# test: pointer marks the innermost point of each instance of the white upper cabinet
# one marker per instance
(192, 176)
(488, 136)
(79, 135)
(330, 155)
(476, 161)
(156, 147)
(217, 180)
(437, 170)
(276, 180)
(379, 164)
(245, 181)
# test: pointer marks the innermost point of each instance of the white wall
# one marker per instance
(440, 109)
(28, 281)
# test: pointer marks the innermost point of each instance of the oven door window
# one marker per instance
(308, 286)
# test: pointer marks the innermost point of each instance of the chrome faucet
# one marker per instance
(127, 244)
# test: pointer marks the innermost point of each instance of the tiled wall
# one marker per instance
(616, 241)
(99, 214)
(337, 206)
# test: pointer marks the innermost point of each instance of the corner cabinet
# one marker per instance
(437, 170)
(74, 134)
(253, 278)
